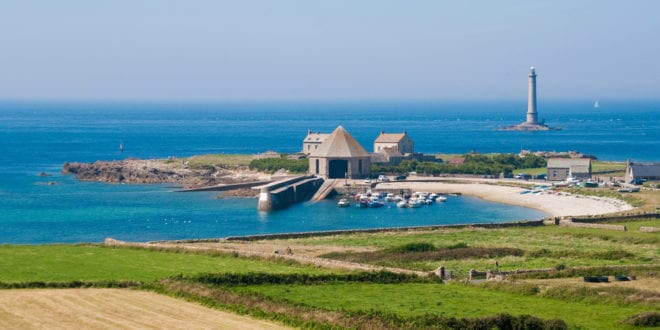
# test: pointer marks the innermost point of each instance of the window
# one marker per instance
(554, 174)
(317, 166)
(360, 166)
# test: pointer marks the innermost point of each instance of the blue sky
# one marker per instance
(271, 50)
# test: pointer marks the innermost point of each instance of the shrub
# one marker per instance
(644, 320)
(275, 164)
(413, 247)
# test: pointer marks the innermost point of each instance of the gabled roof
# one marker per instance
(646, 169)
(569, 163)
(316, 137)
(390, 137)
(341, 144)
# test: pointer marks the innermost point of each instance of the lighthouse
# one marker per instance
(532, 123)
(532, 116)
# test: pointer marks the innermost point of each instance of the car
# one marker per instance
(367, 180)
(637, 182)
(541, 176)
(383, 178)
(400, 177)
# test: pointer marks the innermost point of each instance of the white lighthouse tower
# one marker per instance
(532, 116)
(532, 123)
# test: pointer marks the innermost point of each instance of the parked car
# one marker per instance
(542, 176)
(400, 177)
(637, 182)
(367, 180)
(383, 178)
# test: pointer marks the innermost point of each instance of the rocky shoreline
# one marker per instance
(161, 171)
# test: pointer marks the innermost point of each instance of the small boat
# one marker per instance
(596, 105)
(363, 203)
(389, 198)
(525, 192)
(414, 203)
(441, 199)
(402, 204)
(376, 204)
(344, 203)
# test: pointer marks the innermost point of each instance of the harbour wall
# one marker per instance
(282, 194)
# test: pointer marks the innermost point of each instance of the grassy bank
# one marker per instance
(62, 263)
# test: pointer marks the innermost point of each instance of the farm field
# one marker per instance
(112, 309)
(282, 289)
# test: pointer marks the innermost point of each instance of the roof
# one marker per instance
(390, 137)
(575, 164)
(341, 144)
(645, 169)
(316, 137)
(391, 152)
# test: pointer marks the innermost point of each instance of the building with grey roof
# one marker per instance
(642, 171)
(340, 156)
(561, 169)
(313, 142)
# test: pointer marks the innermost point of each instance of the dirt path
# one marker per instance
(303, 254)
(112, 309)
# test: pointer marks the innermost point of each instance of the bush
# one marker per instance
(304, 279)
(644, 320)
(275, 164)
(413, 247)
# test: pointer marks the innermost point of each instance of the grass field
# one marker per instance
(219, 160)
(452, 300)
(544, 247)
(341, 302)
(62, 263)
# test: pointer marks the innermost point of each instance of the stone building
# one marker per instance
(400, 142)
(313, 142)
(642, 171)
(561, 169)
(340, 156)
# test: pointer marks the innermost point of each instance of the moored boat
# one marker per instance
(344, 203)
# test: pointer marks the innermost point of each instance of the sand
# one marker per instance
(112, 309)
(555, 205)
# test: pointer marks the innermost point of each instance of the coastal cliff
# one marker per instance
(160, 171)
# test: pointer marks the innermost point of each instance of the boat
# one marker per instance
(596, 105)
(441, 199)
(389, 198)
(344, 203)
(363, 203)
(376, 204)
(402, 204)
(414, 203)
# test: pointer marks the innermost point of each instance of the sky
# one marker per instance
(319, 50)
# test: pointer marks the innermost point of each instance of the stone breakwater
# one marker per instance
(158, 171)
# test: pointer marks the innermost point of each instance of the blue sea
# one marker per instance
(42, 136)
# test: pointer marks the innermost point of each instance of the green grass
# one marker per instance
(59, 263)
(220, 160)
(449, 300)
(575, 246)
(600, 166)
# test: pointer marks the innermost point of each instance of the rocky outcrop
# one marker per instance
(157, 171)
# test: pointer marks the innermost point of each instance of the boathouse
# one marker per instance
(340, 156)
(642, 171)
(561, 169)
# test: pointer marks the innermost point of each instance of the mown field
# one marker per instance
(312, 297)
(63, 263)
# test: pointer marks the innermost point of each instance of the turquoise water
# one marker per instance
(42, 136)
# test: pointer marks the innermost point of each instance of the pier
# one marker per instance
(281, 194)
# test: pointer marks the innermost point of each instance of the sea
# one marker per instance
(40, 136)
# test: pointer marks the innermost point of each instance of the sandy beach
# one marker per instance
(553, 204)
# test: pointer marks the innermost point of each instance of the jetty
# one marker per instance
(281, 194)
